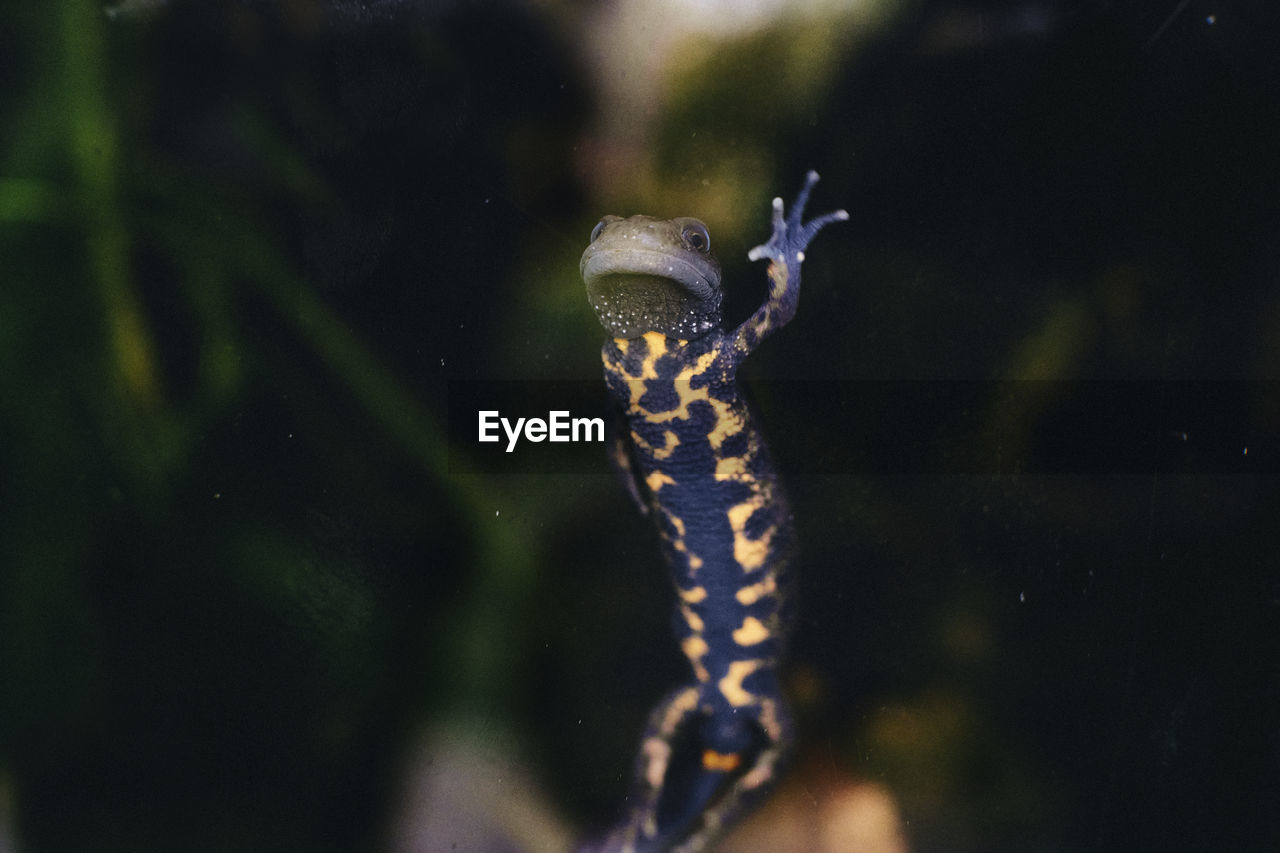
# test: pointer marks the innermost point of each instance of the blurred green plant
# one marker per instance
(157, 590)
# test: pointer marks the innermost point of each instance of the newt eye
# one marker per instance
(595, 232)
(696, 237)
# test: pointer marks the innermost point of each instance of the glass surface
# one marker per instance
(261, 587)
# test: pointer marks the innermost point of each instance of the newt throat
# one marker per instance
(630, 304)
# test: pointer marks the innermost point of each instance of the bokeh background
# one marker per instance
(253, 595)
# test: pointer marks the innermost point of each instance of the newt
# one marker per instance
(694, 460)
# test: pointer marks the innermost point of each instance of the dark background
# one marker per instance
(247, 246)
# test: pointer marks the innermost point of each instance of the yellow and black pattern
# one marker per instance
(701, 469)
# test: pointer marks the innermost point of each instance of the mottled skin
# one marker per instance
(697, 464)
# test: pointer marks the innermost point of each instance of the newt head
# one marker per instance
(652, 275)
